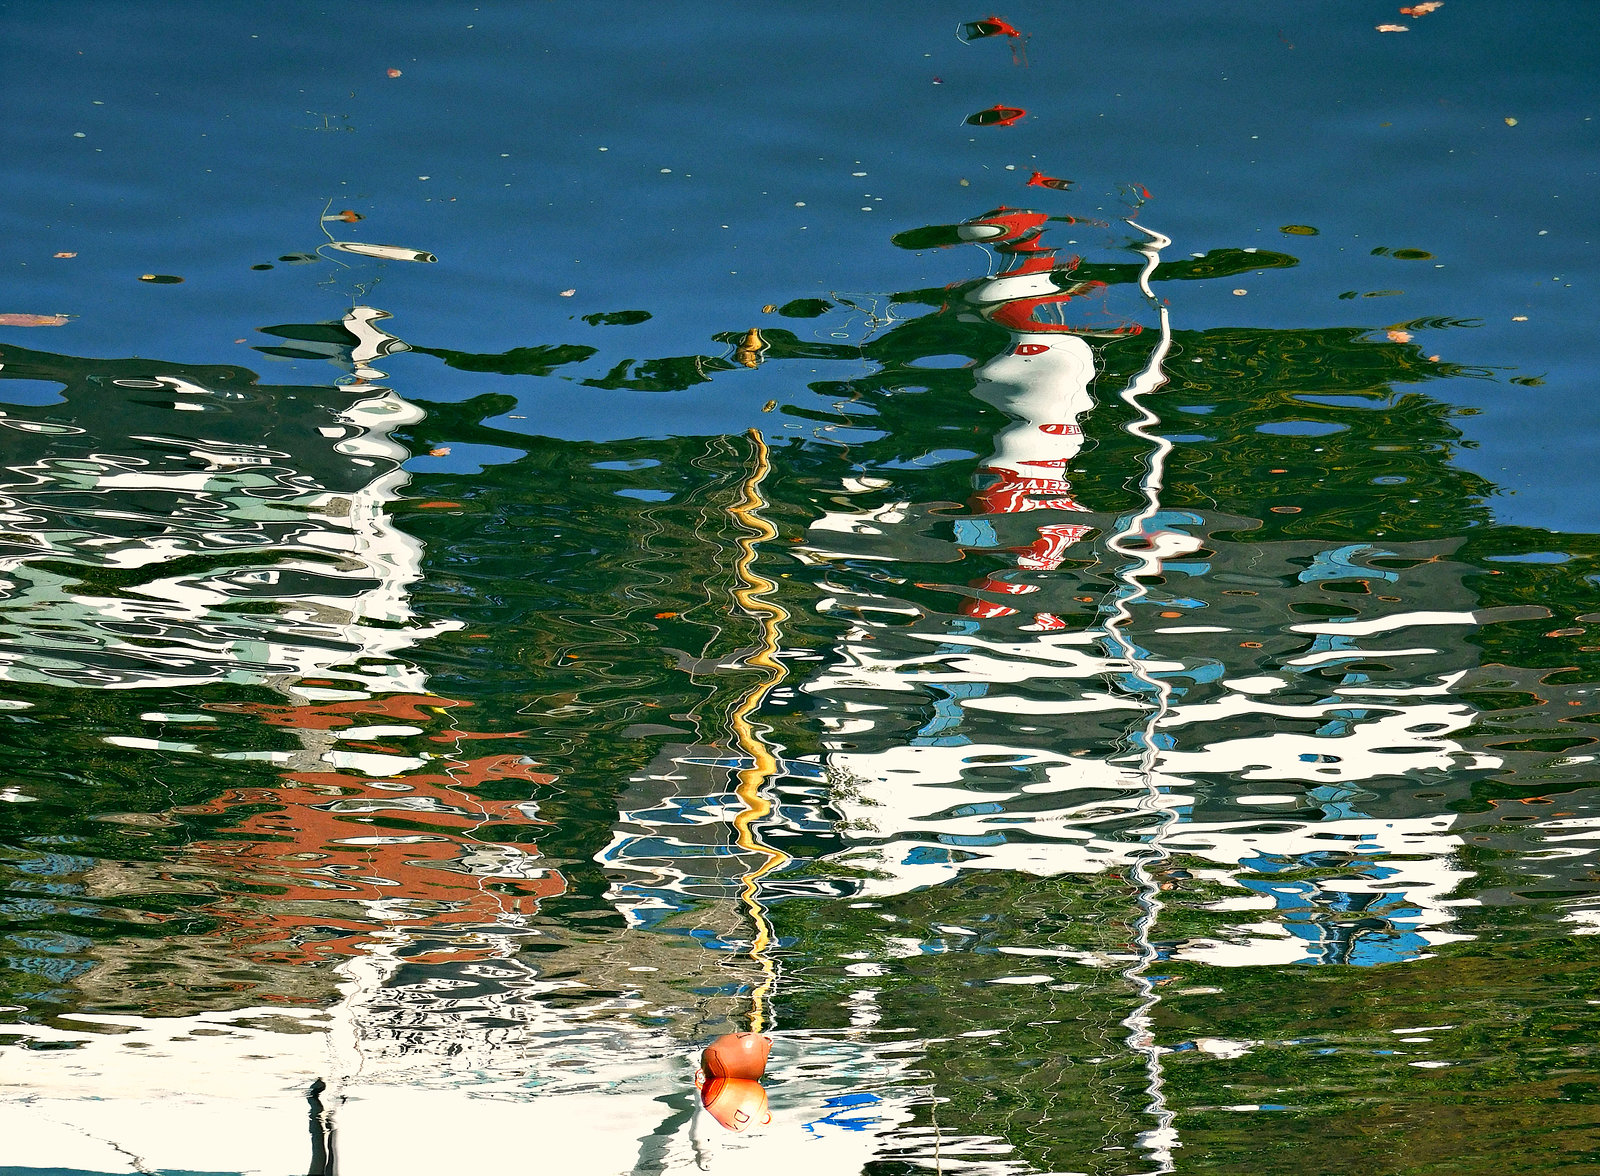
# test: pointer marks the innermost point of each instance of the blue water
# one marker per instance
(653, 156)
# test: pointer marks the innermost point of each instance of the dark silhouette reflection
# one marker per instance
(324, 1151)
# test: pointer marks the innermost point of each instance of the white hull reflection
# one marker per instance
(304, 572)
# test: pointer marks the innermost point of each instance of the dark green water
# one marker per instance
(1108, 698)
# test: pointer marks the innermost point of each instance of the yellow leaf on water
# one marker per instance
(1396, 335)
(1511, 122)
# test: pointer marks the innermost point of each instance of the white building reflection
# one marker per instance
(1301, 765)
(246, 528)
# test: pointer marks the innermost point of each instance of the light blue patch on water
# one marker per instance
(1301, 428)
(1531, 557)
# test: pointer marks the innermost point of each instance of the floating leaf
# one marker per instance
(1298, 230)
(66, 255)
(33, 320)
(1422, 9)
(387, 252)
(1396, 335)
(161, 279)
(394, 73)
(1393, 28)
(1511, 122)
(440, 451)
(568, 293)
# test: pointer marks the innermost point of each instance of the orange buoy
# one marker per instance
(736, 1103)
(737, 1055)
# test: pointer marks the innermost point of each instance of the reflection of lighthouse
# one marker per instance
(1022, 760)
(1042, 382)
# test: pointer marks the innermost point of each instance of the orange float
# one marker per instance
(737, 1055)
(736, 1103)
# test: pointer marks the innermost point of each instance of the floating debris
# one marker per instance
(33, 320)
(1298, 230)
(394, 73)
(387, 252)
(1422, 9)
(994, 26)
(989, 26)
(161, 279)
(569, 293)
(1393, 28)
(349, 215)
(1040, 180)
(65, 255)
(996, 116)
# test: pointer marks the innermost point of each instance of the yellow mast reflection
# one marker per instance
(752, 596)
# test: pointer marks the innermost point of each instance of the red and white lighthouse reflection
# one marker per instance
(1042, 381)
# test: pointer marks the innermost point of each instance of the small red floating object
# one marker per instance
(1040, 180)
(737, 1055)
(394, 73)
(996, 116)
(989, 26)
(736, 1103)
(993, 26)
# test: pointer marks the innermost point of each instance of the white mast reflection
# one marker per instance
(1147, 562)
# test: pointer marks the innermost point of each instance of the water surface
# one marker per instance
(645, 524)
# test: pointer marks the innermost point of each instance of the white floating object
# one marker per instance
(388, 252)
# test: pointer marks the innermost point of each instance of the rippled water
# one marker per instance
(533, 538)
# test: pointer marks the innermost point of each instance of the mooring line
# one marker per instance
(751, 593)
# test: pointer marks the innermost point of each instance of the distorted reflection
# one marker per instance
(852, 800)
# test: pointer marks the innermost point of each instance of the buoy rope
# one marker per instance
(751, 593)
